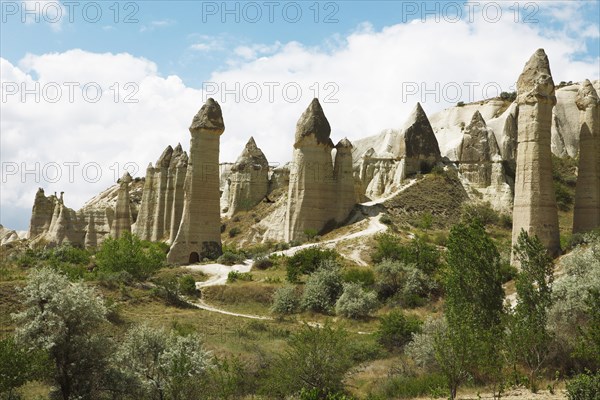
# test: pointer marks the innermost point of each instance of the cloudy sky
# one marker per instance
(90, 89)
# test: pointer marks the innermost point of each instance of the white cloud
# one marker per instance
(370, 69)
(206, 43)
(157, 25)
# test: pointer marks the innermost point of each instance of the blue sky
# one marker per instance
(166, 31)
(359, 57)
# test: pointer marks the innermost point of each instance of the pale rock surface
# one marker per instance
(535, 208)
(311, 190)
(587, 194)
(385, 160)
(480, 162)
(344, 180)
(7, 235)
(248, 182)
(122, 222)
(178, 195)
(199, 233)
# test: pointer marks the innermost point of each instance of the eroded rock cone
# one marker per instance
(122, 222)
(248, 182)
(586, 215)
(535, 208)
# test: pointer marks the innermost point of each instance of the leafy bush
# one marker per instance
(385, 219)
(310, 234)
(163, 365)
(564, 197)
(421, 349)
(584, 387)
(321, 291)
(262, 263)
(233, 232)
(231, 258)
(416, 287)
(233, 276)
(128, 253)
(285, 301)
(19, 365)
(396, 330)
(364, 276)
(355, 302)
(408, 387)
(424, 255)
(308, 260)
(187, 285)
(317, 359)
(390, 275)
(483, 212)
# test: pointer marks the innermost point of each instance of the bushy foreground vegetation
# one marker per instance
(439, 316)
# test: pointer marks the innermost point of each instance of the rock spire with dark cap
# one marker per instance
(199, 233)
(313, 122)
(535, 208)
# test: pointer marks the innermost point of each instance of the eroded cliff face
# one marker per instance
(535, 209)
(586, 215)
(7, 236)
(383, 162)
(161, 189)
(199, 233)
(53, 223)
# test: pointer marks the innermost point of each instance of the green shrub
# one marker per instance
(262, 263)
(364, 276)
(385, 219)
(285, 301)
(424, 255)
(187, 285)
(130, 254)
(355, 302)
(584, 387)
(233, 232)
(408, 387)
(322, 290)
(396, 330)
(564, 197)
(234, 276)
(311, 234)
(308, 260)
(231, 258)
(483, 212)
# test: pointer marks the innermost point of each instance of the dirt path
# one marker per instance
(369, 211)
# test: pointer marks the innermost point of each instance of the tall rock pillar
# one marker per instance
(122, 222)
(535, 208)
(311, 193)
(587, 194)
(343, 175)
(199, 233)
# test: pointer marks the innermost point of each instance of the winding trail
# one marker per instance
(369, 211)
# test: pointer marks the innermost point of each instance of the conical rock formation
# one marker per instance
(535, 208)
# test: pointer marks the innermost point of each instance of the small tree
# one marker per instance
(306, 261)
(396, 330)
(285, 301)
(317, 359)
(165, 366)
(355, 302)
(128, 253)
(473, 308)
(321, 291)
(63, 319)
(18, 365)
(530, 336)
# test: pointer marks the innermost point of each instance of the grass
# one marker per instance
(408, 209)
